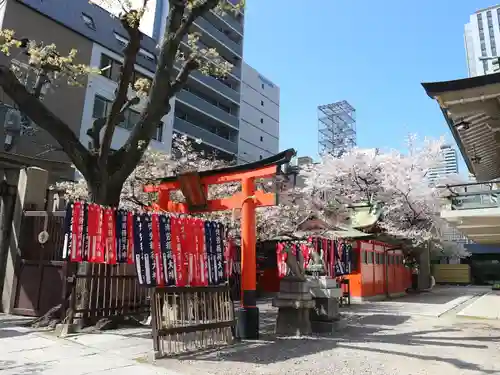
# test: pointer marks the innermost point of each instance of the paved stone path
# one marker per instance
(414, 335)
(485, 307)
(24, 352)
(417, 335)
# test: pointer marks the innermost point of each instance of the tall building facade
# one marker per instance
(259, 116)
(448, 164)
(336, 128)
(208, 108)
(482, 39)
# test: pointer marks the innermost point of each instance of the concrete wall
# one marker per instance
(259, 116)
(31, 186)
(66, 102)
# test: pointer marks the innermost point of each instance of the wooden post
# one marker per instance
(155, 321)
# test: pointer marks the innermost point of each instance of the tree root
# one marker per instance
(48, 320)
(114, 322)
(53, 317)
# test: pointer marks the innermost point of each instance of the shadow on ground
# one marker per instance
(361, 331)
(6, 333)
(8, 326)
(23, 369)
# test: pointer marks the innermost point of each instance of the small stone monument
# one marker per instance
(325, 294)
(294, 300)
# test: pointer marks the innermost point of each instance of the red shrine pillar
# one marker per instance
(248, 315)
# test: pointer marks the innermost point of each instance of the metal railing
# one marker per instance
(475, 195)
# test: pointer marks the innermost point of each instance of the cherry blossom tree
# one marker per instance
(395, 181)
(104, 170)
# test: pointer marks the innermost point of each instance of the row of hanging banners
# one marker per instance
(337, 255)
(166, 250)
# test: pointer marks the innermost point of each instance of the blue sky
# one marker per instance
(373, 54)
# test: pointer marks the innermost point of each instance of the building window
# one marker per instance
(102, 106)
(261, 120)
(262, 85)
(158, 136)
(492, 35)
(122, 40)
(498, 16)
(262, 103)
(147, 55)
(131, 119)
(261, 138)
(110, 68)
(260, 157)
(89, 21)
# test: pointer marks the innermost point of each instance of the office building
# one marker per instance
(50, 23)
(208, 107)
(448, 164)
(336, 128)
(482, 39)
(259, 116)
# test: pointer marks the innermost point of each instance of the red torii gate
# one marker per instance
(194, 186)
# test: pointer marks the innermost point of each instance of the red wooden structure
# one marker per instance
(194, 187)
(379, 271)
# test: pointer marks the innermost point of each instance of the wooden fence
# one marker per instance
(183, 319)
(189, 319)
(106, 291)
(97, 290)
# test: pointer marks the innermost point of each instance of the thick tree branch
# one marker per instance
(196, 12)
(44, 118)
(157, 104)
(161, 90)
(190, 65)
(128, 68)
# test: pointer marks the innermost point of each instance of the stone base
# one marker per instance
(326, 293)
(325, 309)
(65, 329)
(294, 303)
(328, 327)
(293, 322)
(322, 282)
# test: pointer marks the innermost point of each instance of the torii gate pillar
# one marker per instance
(194, 187)
(248, 320)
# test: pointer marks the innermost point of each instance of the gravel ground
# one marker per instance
(373, 343)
